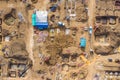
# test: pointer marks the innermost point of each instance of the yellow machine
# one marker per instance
(119, 49)
(84, 59)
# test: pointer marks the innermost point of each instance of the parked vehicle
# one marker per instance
(90, 30)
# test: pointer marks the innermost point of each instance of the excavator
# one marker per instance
(84, 59)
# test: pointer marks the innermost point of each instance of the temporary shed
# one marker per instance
(82, 42)
(40, 19)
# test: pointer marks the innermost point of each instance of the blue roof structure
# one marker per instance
(82, 42)
(39, 21)
(41, 25)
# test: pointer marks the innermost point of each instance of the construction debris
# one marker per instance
(59, 39)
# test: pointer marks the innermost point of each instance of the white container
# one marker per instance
(7, 38)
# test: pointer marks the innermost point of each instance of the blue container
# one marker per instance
(82, 42)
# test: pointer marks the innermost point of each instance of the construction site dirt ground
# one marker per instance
(34, 47)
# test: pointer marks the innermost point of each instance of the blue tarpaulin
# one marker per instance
(82, 42)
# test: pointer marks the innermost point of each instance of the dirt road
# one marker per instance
(91, 11)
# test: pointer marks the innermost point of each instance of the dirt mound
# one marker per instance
(10, 16)
(18, 50)
(55, 48)
(103, 50)
(113, 34)
(102, 30)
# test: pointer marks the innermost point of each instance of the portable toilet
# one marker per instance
(82, 42)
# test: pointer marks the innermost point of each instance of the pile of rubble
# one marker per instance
(55, 48)
(114, 36)
(81, 11)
